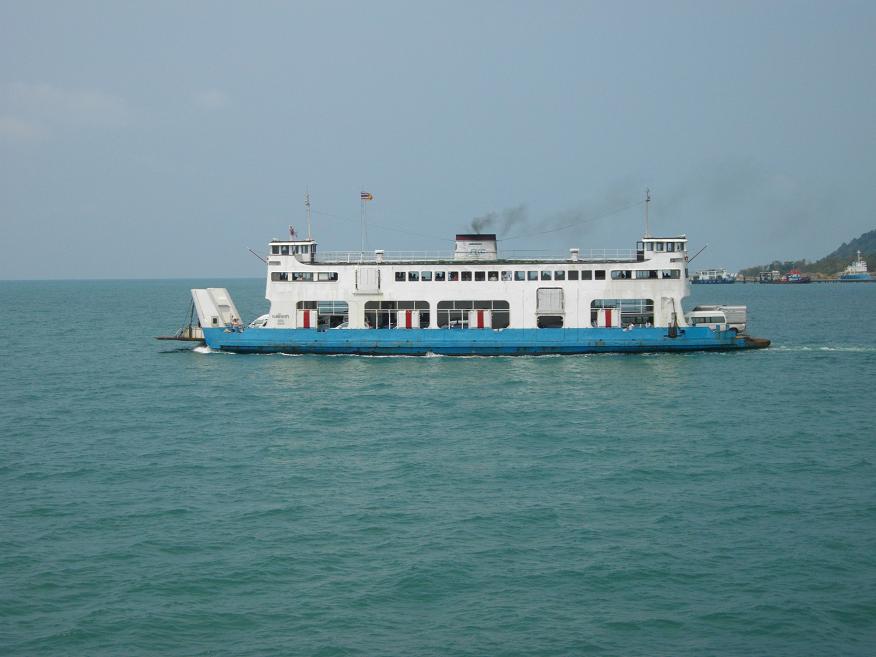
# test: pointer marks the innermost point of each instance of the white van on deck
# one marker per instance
(719, 317)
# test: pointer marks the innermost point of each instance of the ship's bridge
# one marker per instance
(301, 250)
(649, 246)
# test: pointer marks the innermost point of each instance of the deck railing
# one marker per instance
(591, 255)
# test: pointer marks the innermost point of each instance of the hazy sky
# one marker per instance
(158, 139)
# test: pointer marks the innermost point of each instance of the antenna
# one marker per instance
(307, 210)
(647, 203)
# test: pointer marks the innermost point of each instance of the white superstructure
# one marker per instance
(476, 286)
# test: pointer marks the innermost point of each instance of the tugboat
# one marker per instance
(857, 271)
(473, 301)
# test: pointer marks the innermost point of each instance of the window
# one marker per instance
(384, 314)
(284, 249)
(649, 246)
(454, 314)
(275, 249)
(302, 276)
(480, 275)
(466, 275)
(621, 274)
(646, 273)
(440, 276)
(399, 277)
(658, 246)
(279, 276)
(305, 248)
(507, 275)
(670, 246)
(600, 274)
(453, 276)
(573, 274)
(632, 311)
(493, 276)
(715, 319)
(559, 275)
(549, 321)
(670, 273)
(532, 275)
(330, 314)
(327, 276)
(413, 276)
(545, 276)
(587, 275)
(425, 276)
(519, 275)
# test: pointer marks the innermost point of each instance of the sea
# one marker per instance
(158, 499)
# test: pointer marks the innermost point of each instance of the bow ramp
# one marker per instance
(215, 307)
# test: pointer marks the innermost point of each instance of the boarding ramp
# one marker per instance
(215, 307)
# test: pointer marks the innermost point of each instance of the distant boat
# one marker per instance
(794, 276)
(776, 277)
(857, 271)
(713, 276)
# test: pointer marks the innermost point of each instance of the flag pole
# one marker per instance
(362, 202)
(364, 197)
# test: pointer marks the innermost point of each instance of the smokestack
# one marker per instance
(475, 247)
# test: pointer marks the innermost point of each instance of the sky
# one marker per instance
(163, 139)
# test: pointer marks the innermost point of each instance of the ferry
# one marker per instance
(474, 301)
(712, 277)
(857, 271)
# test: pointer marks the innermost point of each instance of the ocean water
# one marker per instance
(157, 500)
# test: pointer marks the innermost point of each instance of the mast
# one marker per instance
(307, 211)
(647, 203)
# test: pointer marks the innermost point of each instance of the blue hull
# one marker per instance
(474, 342)
(856, 277)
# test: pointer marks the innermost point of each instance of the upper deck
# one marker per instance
(475, 249)
(447, 257)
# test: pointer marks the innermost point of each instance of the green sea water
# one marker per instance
(161, 501)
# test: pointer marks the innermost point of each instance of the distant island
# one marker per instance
(830, 265)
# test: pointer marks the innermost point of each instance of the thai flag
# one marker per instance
(365, 196)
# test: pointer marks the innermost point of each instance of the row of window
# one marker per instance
(667, 247)
(304, 276)
(291, 249)
(640, 274)
(455, 314)
(544, 275)
(452, 276)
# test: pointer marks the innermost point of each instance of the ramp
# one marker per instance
(215, 307)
